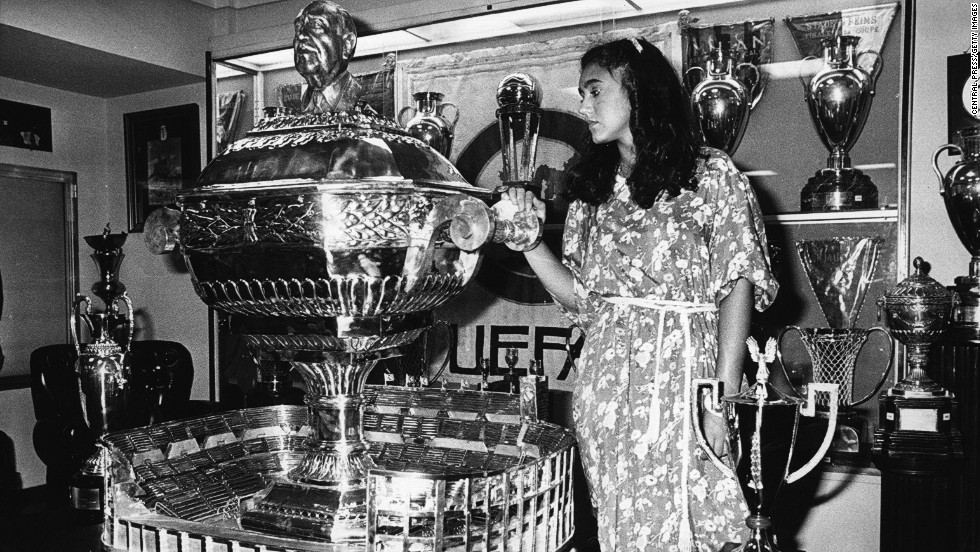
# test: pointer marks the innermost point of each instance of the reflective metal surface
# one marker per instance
(722, 103)
(839, 97)
(102, 365)
(762, 424)
(839, 271)
(431, 120)
(960, 188)
(333, 234)
(917, 312)
(441, 457)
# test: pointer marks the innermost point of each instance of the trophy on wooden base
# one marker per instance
(916, 415)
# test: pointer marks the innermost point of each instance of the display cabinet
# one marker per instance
(780, 151)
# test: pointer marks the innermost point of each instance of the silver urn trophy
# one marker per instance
(960, 188)
(762, 427)
(915, 416)
(839, 97)
(840, 270)
(723, 98)
(102, 367)
(431, 120)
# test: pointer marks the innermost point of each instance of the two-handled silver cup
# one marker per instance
(762, 427)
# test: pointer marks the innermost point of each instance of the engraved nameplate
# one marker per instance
(918, 419)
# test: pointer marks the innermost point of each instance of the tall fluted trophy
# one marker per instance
(840, 271)
(519, 98)
(102, 366)
(721, 71)
(916, 414)
(960, 188)
(839, 96)
(762, 424)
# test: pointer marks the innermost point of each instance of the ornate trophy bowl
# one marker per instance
(917, 313)
(722, 101)
(960, 188)
(762, 424)
(839, 97)
(334, 236)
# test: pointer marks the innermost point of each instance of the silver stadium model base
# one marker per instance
(454, 470)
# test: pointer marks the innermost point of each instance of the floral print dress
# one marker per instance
(647, 284)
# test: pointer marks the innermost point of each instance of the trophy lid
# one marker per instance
(919, 288)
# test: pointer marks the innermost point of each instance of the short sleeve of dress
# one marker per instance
(574, 251)
(737, 242)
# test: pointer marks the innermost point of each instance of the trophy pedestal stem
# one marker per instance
(325, 496)
(761, 538)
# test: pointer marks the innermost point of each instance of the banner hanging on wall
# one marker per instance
(508, 306)
(869, 23)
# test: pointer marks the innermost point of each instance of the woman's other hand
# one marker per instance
(525, 200)
(716, 433)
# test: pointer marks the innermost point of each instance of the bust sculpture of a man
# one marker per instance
(323, 45)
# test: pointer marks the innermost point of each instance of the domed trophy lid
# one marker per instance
(919, 288)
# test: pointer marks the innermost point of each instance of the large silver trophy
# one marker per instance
(840, 271)
(762, 424)
(334, 235)
(839, 96)
(102, 366)
(960, 188)
(723, 99)
(721, 71)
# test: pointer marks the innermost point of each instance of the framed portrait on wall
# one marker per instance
(163, 156)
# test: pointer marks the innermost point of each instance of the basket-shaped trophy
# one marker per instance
(840, 270)
(762, 426)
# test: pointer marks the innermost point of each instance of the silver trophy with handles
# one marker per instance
(840, 270)
(762, 427)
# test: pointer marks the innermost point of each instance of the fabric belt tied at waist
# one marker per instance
(684, 309)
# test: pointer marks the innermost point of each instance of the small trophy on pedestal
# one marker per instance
(916, 415)
(102, 367)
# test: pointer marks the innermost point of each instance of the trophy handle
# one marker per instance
(875, 68)
(809, 409)
(935, 164)
(455, 112)
(748, 74)
(806, 76)
(888, 367)
(74, 316)
(129, 305)
(694, 76)
(779, 350)
(715, 386)
(402, 120)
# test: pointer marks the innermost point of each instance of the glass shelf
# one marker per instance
(834, 217)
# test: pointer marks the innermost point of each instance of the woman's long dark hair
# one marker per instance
(666, 140)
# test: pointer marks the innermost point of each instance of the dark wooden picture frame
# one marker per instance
(163, 156)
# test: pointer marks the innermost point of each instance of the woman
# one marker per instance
(664, 257)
